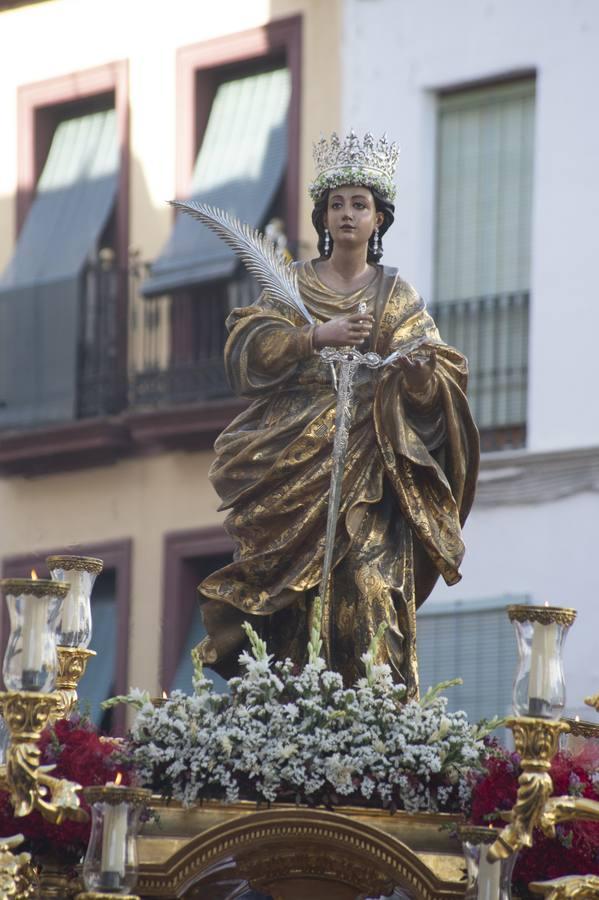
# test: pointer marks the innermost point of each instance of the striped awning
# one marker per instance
(239, 168)
(40, 288)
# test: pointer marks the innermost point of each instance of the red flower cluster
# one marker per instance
(81, 755)
(575, 849)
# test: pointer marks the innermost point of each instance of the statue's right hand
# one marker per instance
(342, 331)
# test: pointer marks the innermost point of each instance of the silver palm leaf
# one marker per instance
(258, 254)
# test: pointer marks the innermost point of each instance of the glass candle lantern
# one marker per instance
(75, 627)
(34, 605)
(111, 860)
(539, 687)
(485, 880)
(582, 737)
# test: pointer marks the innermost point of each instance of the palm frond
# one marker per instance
(258, 254)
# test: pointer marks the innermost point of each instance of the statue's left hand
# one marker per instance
(418, 369)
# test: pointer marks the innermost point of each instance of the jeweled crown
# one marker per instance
(370, 163)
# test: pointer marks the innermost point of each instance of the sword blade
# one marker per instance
(343, 413)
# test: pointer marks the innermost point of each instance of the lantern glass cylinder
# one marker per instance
(30, 662)
(539, 686)
(486, 880)
(110, 864)
(75, 627)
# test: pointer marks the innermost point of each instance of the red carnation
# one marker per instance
(81, 755)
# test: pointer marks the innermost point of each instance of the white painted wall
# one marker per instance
(396, 55)
(547, 551)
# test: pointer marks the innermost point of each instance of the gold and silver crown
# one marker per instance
(369, 163)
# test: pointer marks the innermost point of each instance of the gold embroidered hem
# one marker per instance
(409, 479)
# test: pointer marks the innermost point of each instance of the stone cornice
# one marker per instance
(523, 477)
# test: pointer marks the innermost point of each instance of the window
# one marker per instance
(59, 310)
(474, 641)
(483, 241)
(189, 557)
(98, 682)
(241, 95)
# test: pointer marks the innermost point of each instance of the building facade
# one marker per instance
(498, 195)
(111, 311)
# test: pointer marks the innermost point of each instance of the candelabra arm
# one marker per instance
(566, 809)
(593, 701)
(30, 784)
(536, 741)
(581, 887)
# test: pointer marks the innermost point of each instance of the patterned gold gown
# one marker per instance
(409, 479)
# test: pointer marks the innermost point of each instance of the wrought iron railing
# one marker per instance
(175, 343)
(493, 333)
(175, 348)
(101, 388)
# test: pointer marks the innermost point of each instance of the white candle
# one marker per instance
(34, 626)
(542, 662)
(489, 876)
(114, 839)
(70, 608)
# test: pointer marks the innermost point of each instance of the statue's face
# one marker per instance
(351, 215)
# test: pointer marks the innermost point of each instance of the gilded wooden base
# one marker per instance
(291, 853)
(93, 895)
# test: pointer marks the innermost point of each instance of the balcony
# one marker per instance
(171, 389)
(493, 334)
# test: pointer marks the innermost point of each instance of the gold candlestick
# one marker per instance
(536, 742)
(72, 663)
(30, 785)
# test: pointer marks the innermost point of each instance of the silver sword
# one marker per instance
(349, 361)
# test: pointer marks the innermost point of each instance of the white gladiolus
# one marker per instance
(279, 735)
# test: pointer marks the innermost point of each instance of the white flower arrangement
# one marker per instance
(301, 736)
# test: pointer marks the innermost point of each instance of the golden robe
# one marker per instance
(409, 479)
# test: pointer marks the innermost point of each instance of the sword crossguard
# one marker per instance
(351, 355)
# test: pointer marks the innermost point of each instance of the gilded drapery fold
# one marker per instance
(408, 482)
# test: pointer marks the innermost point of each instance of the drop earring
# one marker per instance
(375, 242)
(327, 242)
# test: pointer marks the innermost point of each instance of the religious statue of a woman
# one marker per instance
(411, 462)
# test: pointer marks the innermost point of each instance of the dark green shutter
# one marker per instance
(474, 641)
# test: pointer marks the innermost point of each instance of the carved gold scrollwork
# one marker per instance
(566, 809)
(536, 741)
(30, 785)
(593, 701)
(72, 663)
(17, 876)
(545, 615)
(580, 887)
